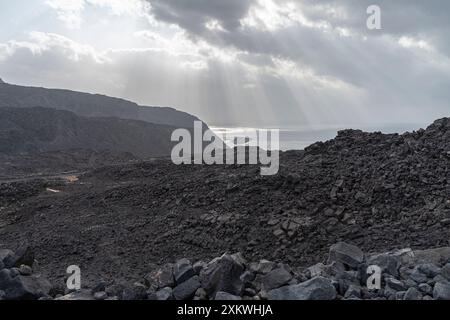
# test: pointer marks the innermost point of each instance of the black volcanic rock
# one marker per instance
(90, 105)
(375, 191)
(42, 129)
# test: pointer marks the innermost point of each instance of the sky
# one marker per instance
(261, 63)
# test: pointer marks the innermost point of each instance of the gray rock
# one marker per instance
(224, 296)
(135, 292)
(400, 295)
(347, 254)
(390, 293)
(389, 263)
(353, 292)
(223, 274)
(7, 258)
(247, 277)
(429, 269)
(367, 294)
(115, 290)
(316, 270)
(201, 294)
(77, 296)
(395, 284)
(263, 267)
(410, 283)
(25, 270)
(318, 288)
(14, 272)
(425, 288)
(439, 278)
(412, 294)
(239, 258)
(164, 294)
(161, 278)
(441, 291)
(23, 287)
(24, 256)
(446, 271)
(187, 289)
(101, 295)
(198, 267)
(183, 271)
(434, 256)
(327, 271)
(276, 279)
(346, 279)
(250, 292)
(99, 287)
(418, 276)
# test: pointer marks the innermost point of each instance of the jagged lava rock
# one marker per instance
(315, 289)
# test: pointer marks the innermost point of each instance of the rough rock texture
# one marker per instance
(315, 289)
(346, 254)
(17, 281)
(231, 277)
(378, 192)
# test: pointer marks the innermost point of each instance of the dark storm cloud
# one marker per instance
(262, 62)
(413, 74)
(192, 15)
(400, 17)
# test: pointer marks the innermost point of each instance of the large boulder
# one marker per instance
(164, 294)
(318, 288)
(23, 256)
(223, 274)
(429, 269)
(347, 254)
(18, 287)
(276, 279)
(183, 271)
(435, 256)
(390, 262)
(262, 267)
(412, 294)
(187, 289)
(446, 271)
(441, 291)
(6, 258)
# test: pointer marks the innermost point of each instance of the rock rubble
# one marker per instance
(405, 275)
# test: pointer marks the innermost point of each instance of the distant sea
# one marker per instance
(298, 138)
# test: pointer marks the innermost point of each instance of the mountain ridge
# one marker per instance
(39, 129)
(91, 105)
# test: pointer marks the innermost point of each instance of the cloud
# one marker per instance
(68, 11)
(328, 42)
(195, 15)
(249, 62)
(71, 11)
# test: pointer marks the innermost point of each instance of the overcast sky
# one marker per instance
(240, 62)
